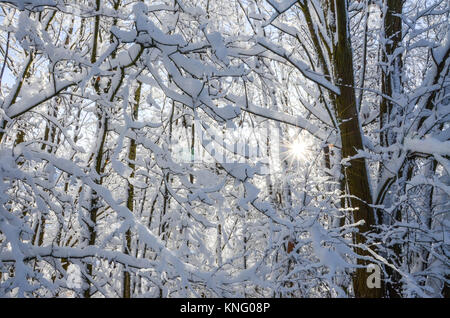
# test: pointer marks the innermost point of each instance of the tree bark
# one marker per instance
(390, 86)
(130, 194)
(356, 174)
(98, 159)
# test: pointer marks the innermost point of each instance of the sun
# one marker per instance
(297, 149)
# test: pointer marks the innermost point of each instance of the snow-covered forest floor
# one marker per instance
(224, 148)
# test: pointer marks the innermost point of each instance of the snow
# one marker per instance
(233, 87)
(429, 146)
(218, 46)
(300, 65)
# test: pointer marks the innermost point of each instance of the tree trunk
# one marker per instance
(130, 194)
(356, 175)
(390, 86)
(98, 159)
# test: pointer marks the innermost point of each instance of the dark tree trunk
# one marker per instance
(356, 175)
(390, 85)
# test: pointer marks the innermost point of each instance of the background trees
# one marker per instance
(129, 134)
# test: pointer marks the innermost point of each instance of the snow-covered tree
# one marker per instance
(245, 148)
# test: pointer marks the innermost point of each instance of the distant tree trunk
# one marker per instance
(163, 225)
(390, 87)
(356, 174)
(98, 159)
(392, 66)
(130, 194)
(49, 136)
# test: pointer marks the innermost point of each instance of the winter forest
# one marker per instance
(224, 148)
